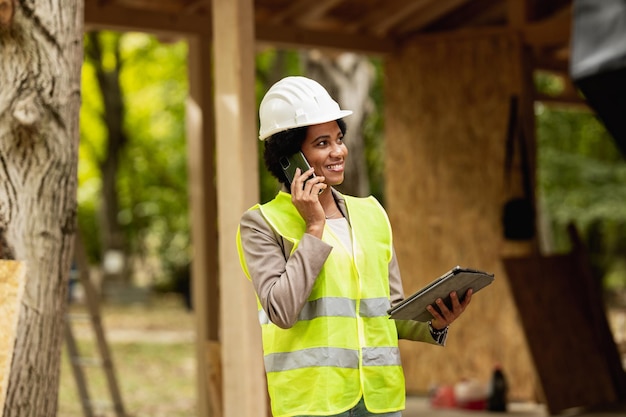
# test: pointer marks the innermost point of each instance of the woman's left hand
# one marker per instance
(444, 317)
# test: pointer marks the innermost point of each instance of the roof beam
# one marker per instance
(379, 24)
(429, 14)
(304, 10)
(111, 16)
(288, 36)
(553, 31)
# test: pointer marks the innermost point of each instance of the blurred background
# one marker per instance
(134, 212)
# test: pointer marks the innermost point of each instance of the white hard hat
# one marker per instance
(294, 102)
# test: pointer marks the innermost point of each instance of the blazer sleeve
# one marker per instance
(282, 282)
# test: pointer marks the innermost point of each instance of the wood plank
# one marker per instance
(428, 15)
(380, 24)
(288, 36)
(517, 13)
(244, 386)
(111, 16)
(200, 128)
(303, 10)
(12, 283)
(214, 377)
(553, 31)
(567, 331)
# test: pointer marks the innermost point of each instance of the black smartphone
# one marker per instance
(289, 165)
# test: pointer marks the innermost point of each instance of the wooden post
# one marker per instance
(11, 292)
(203, 196)
(237, 186)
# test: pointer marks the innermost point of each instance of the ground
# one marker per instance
(153, 352)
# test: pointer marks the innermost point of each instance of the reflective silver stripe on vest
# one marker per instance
(338, 307)
(327, 356)
(323, 356)
(381, 356)
(374, 307)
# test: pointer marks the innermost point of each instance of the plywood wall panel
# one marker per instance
(446, 122)
(11, 292)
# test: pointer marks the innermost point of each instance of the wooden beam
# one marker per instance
(517, 13)
(111, 16)
(295, 38)
(429, 14)
(552, 31)
(166, 6)
(244, 387)
(380, 25)
(303, 10)
(195, 6)
(200, 128)
(556, 60)
(569, 101)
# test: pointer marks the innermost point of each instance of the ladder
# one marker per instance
(77, 362)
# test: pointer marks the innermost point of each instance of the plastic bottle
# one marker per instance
(497, 393)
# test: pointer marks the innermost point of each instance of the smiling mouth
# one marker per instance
(335, 167)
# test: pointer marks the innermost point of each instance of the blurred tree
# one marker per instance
(147, 167)
(348, 78)
(102, 51)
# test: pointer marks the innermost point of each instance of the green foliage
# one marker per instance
(152, 178)
(582, 180)
(373, 134)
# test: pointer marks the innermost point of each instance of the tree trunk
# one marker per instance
(112, 235)
(348, 78)
(41, 50)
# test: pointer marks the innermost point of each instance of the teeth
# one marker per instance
(334, 166)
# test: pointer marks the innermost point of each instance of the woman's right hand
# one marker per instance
(305, 196)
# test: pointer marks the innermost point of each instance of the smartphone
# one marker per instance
(289, 165)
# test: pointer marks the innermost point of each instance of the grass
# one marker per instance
(153, 353)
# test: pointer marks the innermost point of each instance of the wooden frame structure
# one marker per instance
(221, 125)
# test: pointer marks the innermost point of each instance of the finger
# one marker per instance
(305, 178)
(438, 321)
(298, 179)
(294, 183)
(319, 187)
(467, 298)
(455, 300)
(315, 186)
(433, 311)
(445, 311)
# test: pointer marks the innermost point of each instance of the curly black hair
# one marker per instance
(285, 144)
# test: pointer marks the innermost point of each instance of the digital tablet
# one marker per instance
(457, 279)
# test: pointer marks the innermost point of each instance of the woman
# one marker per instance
(324, 271)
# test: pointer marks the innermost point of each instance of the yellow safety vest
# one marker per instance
(343, 345)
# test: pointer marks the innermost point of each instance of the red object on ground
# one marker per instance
(443, 397)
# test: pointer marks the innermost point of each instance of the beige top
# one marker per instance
(283, 283)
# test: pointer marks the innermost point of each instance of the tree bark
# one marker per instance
(348, 78)
(41, 50)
